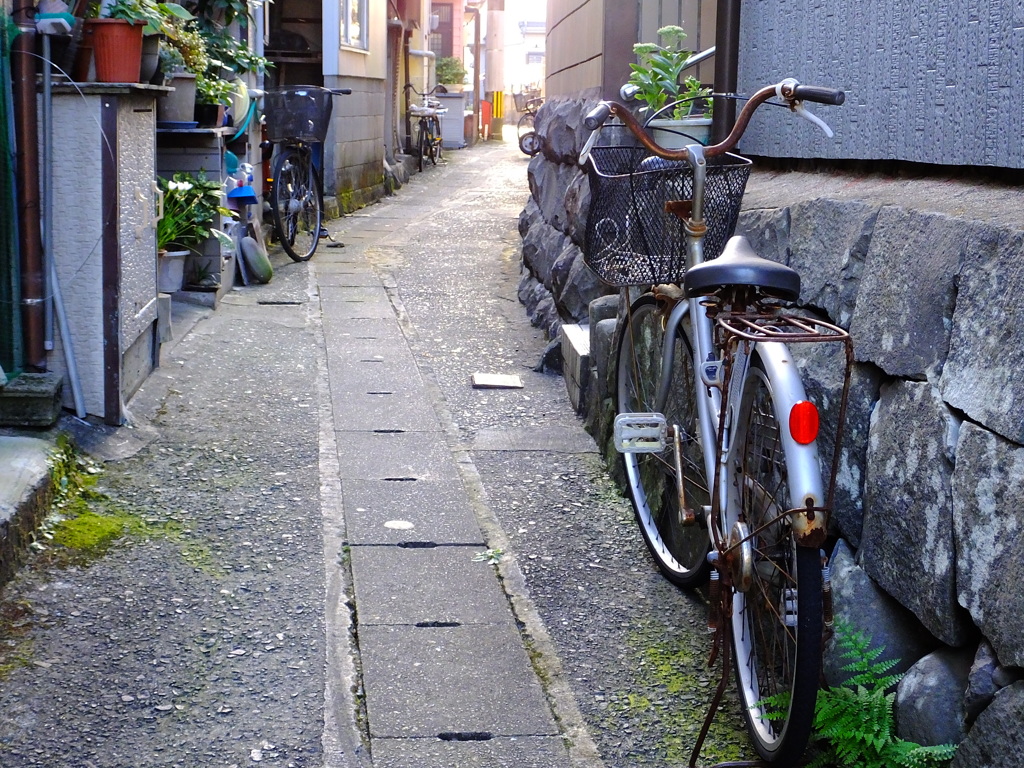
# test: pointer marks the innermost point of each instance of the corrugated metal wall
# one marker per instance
(929, 82)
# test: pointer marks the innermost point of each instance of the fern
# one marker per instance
(855, 720)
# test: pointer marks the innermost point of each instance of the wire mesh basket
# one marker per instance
(630, 238)
(298, 113)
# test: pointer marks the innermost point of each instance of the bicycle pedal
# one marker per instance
(640, 432)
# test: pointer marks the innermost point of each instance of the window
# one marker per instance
(353, 23)
(441, 37)
(535, 57)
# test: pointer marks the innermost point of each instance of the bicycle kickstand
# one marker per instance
(720, 623)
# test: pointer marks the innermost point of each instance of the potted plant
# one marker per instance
(450, 72)
(117, 41)
(190, 206)
(672, 108)
(213, 95)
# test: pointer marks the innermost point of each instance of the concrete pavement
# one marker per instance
(446, 678)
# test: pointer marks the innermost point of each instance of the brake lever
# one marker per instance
(589, 145)
(806, 114)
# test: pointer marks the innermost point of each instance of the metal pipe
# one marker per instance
(69, 348)
(476, 71)
(33, 277)
(47, 178)
(727, 45)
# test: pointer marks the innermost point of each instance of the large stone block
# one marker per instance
(907, 542)
(995, 740)
(828, 241)
(905, 303)
(577, 204)
(767, 229)
(541, 247)
(988, 521)
(986, 355)
(930, 698)
(560, 126)
(548, 182)
(580, 286)
(864, 607)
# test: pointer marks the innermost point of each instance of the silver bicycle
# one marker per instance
(717, 435)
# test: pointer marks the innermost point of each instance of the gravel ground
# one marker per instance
(200, 639)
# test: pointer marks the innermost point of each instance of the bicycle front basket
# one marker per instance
(630, 239)
(298, 113)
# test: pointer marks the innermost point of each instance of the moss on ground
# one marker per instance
(670, 689)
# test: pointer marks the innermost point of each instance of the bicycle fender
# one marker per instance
(807, 495)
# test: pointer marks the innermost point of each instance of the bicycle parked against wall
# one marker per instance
(718, 437)
(529, 141)
(297, 117)
(428, 133)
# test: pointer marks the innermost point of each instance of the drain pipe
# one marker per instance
(477, 63)
(33, 277)
(727, 47)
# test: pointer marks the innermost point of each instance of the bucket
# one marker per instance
(170, 271)
(178, 106)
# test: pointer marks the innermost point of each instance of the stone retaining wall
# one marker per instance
(930, 494)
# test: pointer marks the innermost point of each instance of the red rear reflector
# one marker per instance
(803, 422)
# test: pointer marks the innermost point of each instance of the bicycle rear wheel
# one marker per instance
(295, 203)
(777, 622)
(679, 548)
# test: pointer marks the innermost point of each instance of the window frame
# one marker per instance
(345, 27)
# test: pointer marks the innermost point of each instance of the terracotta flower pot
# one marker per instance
(117, 49)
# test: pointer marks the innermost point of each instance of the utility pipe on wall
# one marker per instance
(33, 277)
(727, 47)
(476, 72)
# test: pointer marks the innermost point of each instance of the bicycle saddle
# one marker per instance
(739, 265)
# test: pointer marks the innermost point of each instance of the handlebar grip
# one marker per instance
(595, 119)
(342, 91)
(820, 95)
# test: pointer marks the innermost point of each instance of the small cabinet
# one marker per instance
(104, 240)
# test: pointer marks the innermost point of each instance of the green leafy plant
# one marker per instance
(450, 70)
(656, 75)
(855, 721)
(230, 52)
(190, 204)
(213, 90)
(131, 10)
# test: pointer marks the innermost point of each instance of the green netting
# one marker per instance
(10, 317)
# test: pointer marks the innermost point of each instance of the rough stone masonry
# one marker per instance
(925, 275)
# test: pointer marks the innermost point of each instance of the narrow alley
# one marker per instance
(345, 554)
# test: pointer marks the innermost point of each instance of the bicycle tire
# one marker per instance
(435, 141)
(295, 204)
(421, 144)
(526, 123)
(529, 144)
(679, 550)
(778, 654)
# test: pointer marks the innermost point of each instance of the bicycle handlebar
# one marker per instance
(790, 90)
(436, 89)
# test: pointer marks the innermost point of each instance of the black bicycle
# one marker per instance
(297, 118)
(428, 134)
